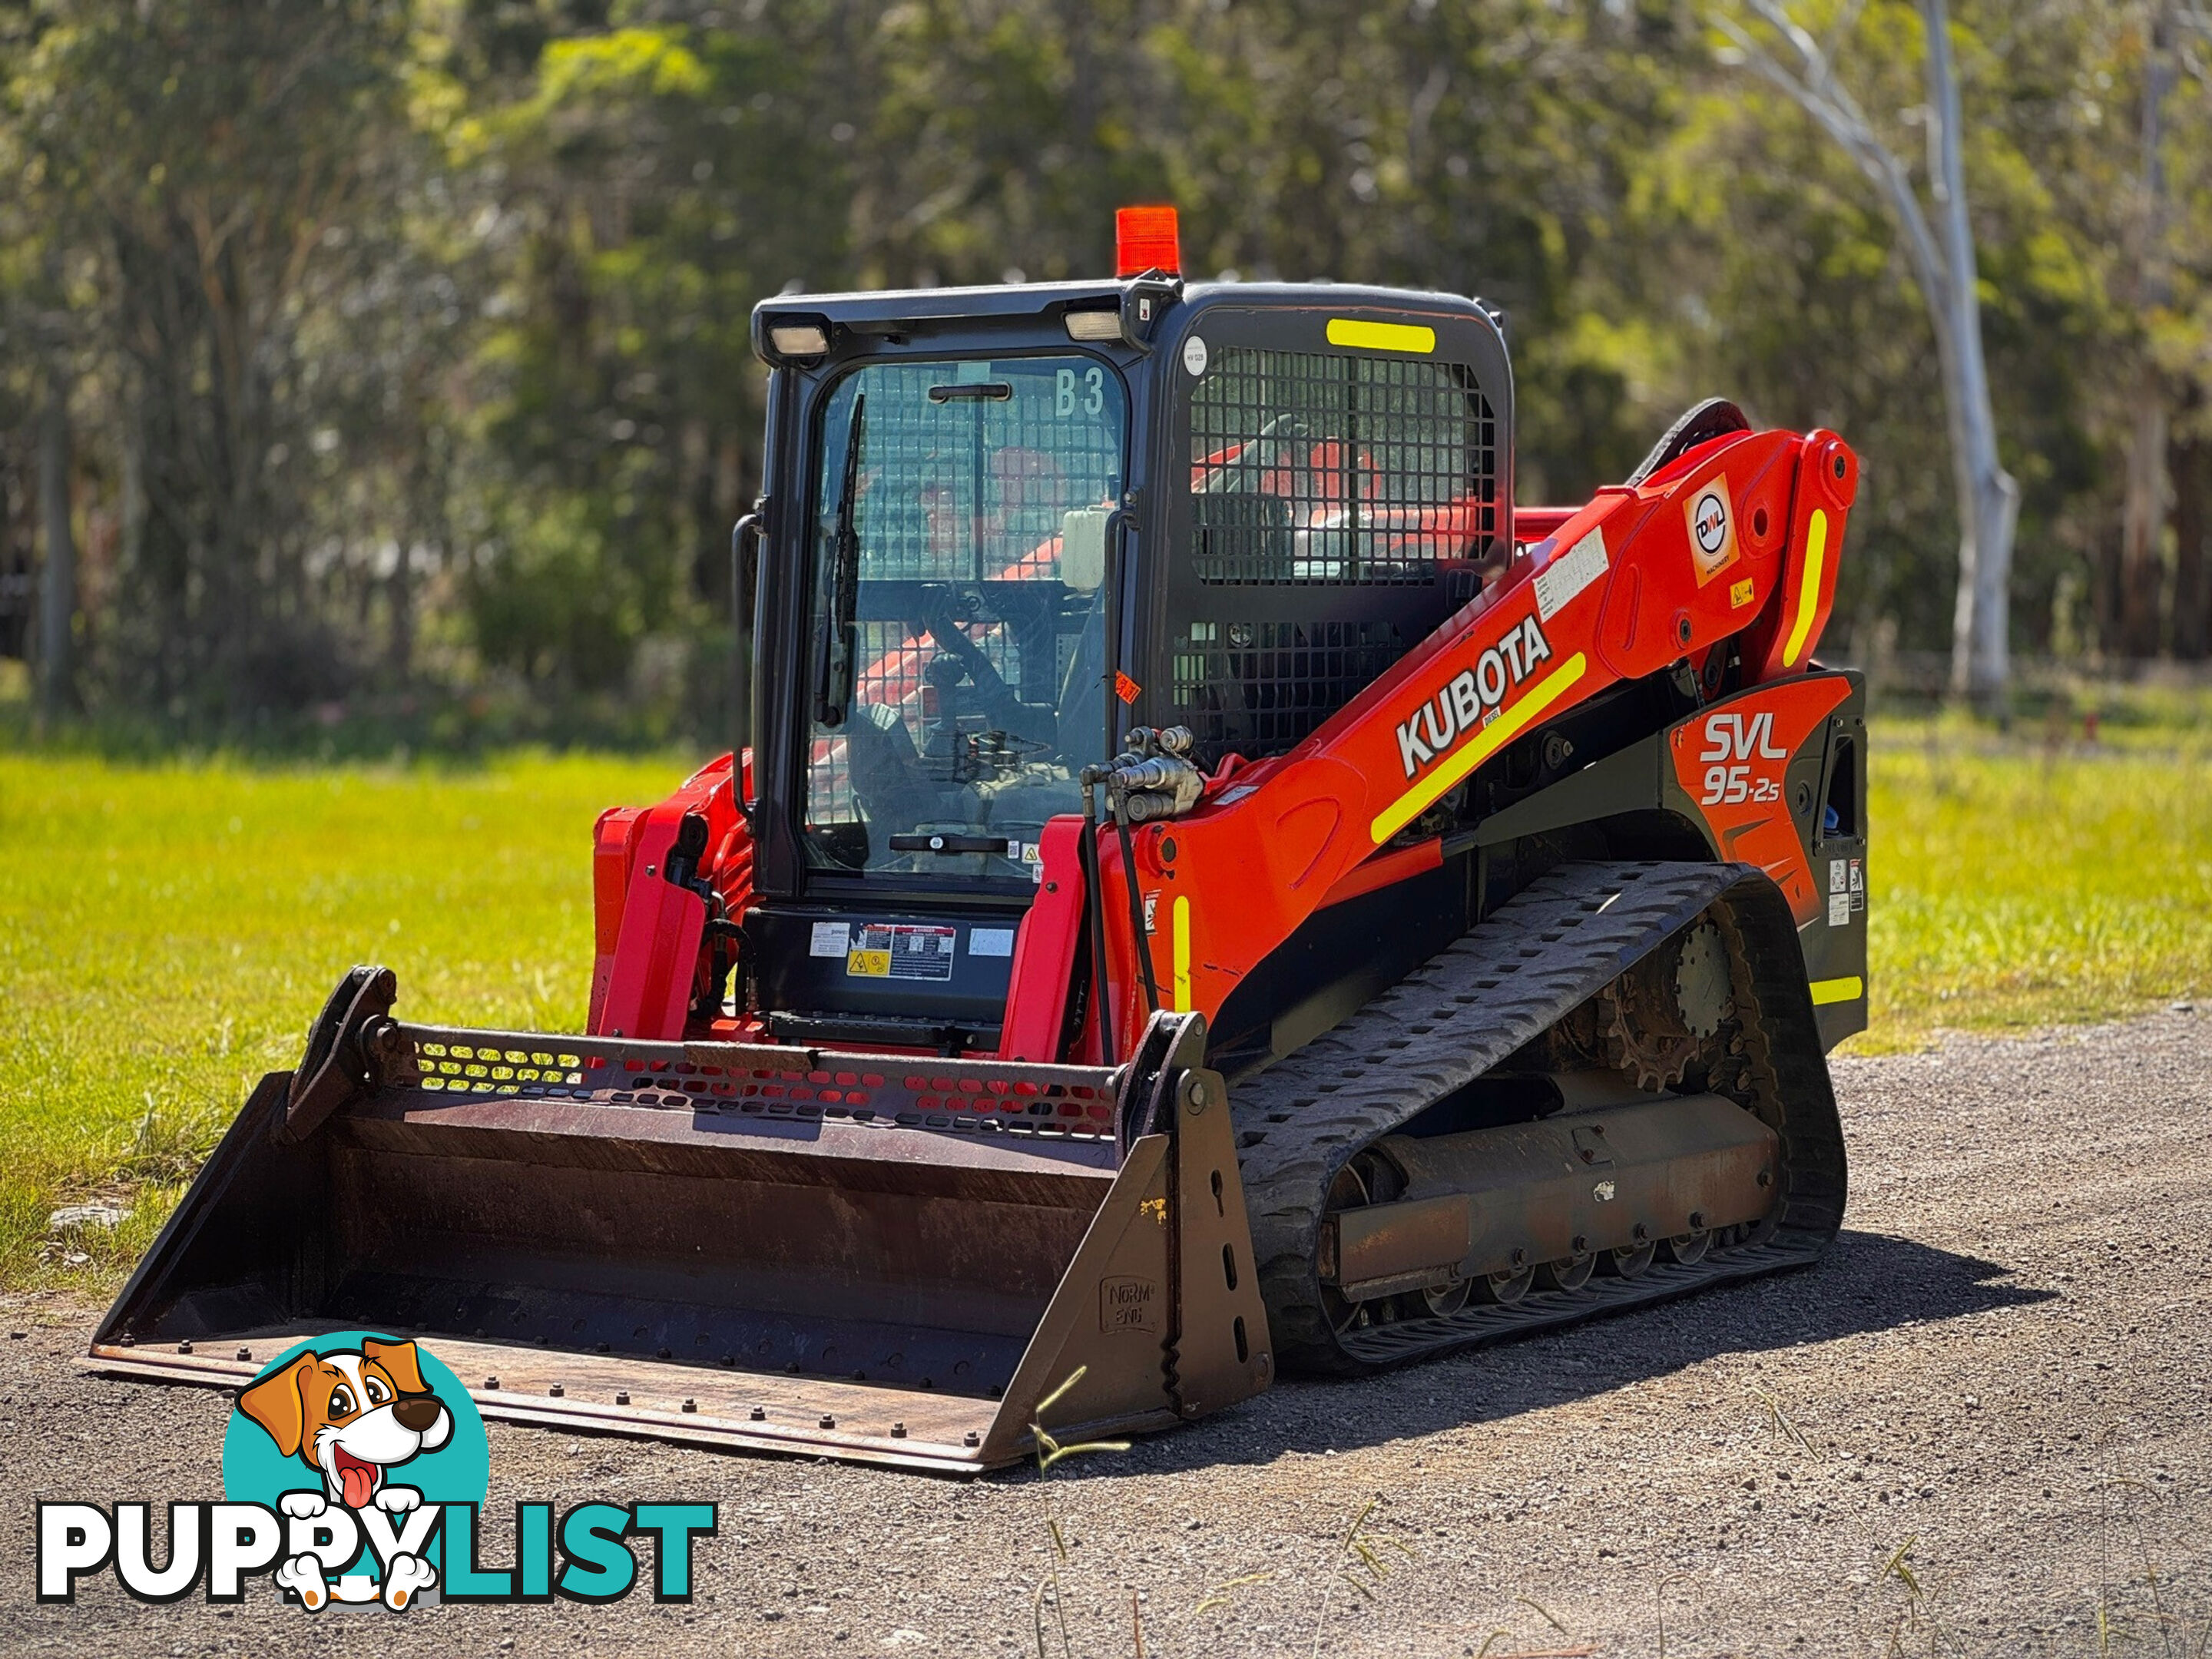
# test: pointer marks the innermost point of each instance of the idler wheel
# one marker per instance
(1362, 1181)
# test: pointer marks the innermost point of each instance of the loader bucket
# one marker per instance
(887, 1258)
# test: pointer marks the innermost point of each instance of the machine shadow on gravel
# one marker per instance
(1866, 1282)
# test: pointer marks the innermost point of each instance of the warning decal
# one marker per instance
(1712, 530)
(1569, 573)
(899, 951)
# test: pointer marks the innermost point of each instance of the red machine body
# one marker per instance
(1737, 537)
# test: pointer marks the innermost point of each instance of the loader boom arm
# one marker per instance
(1737, 539)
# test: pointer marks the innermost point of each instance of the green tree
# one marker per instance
(213, 153)
(645, 185)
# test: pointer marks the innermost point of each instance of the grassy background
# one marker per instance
(167, 932)
(2033, 882)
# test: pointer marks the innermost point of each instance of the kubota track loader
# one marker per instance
(1206, 888)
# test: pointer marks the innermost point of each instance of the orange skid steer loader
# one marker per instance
(1203, 887)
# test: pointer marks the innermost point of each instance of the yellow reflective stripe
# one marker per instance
(1808, 592)
(1182, 934)
(1381, 336)
(1848, 989)
(1488, 742)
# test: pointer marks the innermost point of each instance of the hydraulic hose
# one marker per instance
(1136, 937)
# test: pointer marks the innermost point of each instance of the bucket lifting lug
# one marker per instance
(346, 1047)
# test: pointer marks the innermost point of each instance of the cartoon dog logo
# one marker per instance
(351, 1416)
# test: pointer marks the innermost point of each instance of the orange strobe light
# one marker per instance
(1145, 239)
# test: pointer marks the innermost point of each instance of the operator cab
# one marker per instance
(1002, 527)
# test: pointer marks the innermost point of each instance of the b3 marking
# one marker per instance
(1732, 743)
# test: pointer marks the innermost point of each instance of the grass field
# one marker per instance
(166, 933)
(2031, 885)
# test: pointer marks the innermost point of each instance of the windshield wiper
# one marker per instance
(839, 650)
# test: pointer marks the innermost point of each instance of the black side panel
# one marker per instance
(817, 963)
(1836, 940)
(1338, 961)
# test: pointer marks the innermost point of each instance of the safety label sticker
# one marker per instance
(1858, 885)
(1712, 530)
(1568, 574)
(901, 950)
(1840, 910)
(1836, 868)
(831, 938)
(991, 942)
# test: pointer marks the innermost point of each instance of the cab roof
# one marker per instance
(884, 312)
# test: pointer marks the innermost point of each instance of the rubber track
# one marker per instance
(1525, 966)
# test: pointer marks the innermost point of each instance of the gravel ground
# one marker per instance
(1979, 1426)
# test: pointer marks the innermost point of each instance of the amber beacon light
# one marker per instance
(1145, 239)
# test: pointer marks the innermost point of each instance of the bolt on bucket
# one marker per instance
(890, 1258)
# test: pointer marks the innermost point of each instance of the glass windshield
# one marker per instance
(959, 620)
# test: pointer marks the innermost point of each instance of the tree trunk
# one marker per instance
(400, 589)
(2142, 521)
(2189, 463)
(58, 580)
(1989, 499)
(1984, 643)
(2105, 591)
(131, 553)
(2142, 516)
